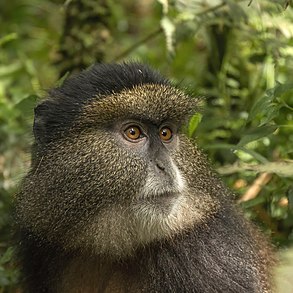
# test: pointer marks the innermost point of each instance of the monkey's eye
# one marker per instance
(133, 133)
(166, 134)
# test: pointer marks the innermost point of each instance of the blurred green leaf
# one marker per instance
(260, 105)
(8, 38)
(256, 133)
(27, 105)
(252, 153)
(253, 202)
(60, 81)
(269, 106)
(193, 123)
(281, 89)
(272, 112)
(7, 256)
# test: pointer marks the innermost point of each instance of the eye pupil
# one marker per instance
(132, 131)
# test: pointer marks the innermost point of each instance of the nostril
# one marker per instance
(160, 166)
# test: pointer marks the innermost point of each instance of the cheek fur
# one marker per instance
(79, 178)
(114, 169)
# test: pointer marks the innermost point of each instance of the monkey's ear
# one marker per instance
(53, 117)
(41, 128)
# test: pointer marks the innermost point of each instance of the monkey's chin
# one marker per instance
(120, 230)
(160, 216)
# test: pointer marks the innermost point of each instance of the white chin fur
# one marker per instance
(163, 209)
(160, 211)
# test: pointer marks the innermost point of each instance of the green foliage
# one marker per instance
(8, 274)
(193, 123)
(238, 56)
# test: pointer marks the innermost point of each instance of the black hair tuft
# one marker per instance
(58, 112)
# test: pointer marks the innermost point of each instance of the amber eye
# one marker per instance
(133, 132)
(166, 134)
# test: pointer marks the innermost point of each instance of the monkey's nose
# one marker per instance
(160, 166)
(164, 171)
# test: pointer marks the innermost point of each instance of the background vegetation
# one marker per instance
(238, 54)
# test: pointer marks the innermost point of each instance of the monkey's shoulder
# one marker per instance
(223, 255)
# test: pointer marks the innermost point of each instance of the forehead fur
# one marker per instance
(153, 102)
(103, 92)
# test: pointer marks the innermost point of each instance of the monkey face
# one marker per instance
(120, 176)
(152, 146)
(126, 171)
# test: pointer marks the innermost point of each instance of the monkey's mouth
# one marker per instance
(164, 198)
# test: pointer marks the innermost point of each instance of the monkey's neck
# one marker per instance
(204, 259)
(96, 275)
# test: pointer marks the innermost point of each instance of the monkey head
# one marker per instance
(112, 168)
